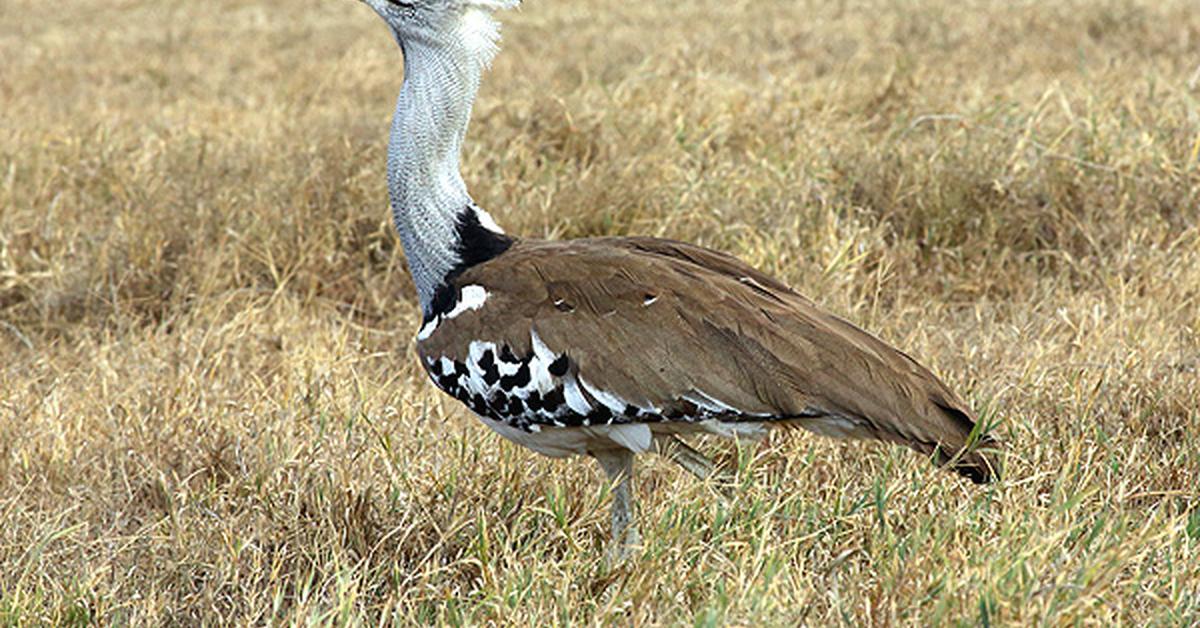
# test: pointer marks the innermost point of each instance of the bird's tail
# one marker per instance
(967, 450)
(978, 462)
(951, 439)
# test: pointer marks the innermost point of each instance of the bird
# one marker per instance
(610, 347)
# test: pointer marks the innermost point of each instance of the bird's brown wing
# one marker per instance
(679, 327)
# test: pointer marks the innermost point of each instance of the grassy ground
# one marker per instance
(210, 408)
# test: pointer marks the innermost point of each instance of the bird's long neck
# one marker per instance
(441, 229)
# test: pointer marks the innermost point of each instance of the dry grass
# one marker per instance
(210, 408)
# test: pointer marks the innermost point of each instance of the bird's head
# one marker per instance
(438, 24)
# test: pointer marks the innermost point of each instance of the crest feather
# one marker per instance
(479, 31)
(493, 5)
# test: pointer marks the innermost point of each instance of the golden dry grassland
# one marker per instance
(210, 408)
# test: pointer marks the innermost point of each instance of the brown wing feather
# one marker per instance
(653, 321)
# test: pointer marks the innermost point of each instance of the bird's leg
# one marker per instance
(692, 461)
(618, 466)
(685, 456)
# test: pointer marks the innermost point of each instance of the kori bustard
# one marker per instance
(611, 347)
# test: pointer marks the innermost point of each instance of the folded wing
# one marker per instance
(695, 334)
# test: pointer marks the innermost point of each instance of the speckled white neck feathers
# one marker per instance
(427, 191)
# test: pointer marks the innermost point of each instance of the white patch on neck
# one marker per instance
(486, 221)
